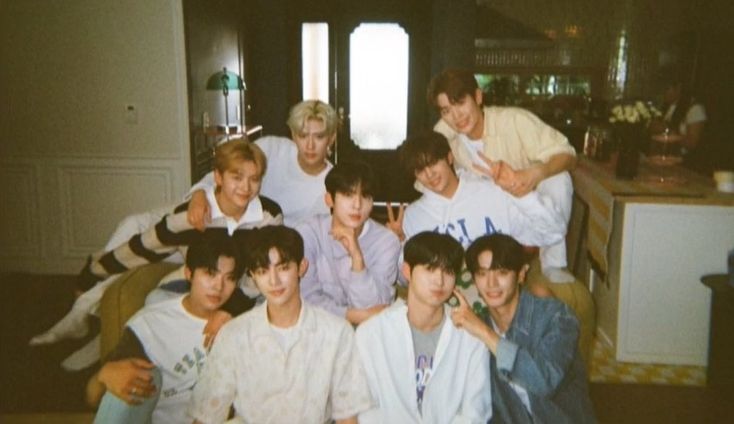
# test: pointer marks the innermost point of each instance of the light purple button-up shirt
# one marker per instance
(330, 282)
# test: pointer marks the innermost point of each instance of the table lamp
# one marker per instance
(225, 80)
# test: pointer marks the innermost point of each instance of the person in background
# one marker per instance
(353, 259)
(683, 114)
(537, 372)
(420, 367)
(150, 374)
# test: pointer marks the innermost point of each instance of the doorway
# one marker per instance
(379, 66)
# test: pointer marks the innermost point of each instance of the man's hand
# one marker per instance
(356, 316)
(129, 379)
(213, 325)
(198, 213)
(348, 238)
(464, 317)
(516, 182)
(395, 224)
(520, 182)
(492, 168)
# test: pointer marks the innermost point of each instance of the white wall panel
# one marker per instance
(19, 211)
(94, 199)
(72, 163)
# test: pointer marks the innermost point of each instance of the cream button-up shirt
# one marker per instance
(317, 379)
(511, 134)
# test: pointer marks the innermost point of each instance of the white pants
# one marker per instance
(559, 188)
(126, 229)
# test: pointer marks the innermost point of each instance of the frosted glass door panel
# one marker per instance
(315, 58)
(378, 85)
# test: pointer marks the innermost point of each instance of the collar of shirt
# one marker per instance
(304, 324)
(253, 213)
(520, 322)
(337, 249)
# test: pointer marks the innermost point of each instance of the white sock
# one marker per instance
(73, 325)
(558, 275)
(84, 357)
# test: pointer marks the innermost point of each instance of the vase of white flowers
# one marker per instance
(630, 121)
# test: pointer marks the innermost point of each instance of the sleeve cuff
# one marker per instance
(506, 355)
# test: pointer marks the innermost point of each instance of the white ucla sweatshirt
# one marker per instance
(480, 207)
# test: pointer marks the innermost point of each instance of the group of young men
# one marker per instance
(492, 180)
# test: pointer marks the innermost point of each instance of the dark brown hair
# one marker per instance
(455, 83)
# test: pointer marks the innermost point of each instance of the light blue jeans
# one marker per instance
(113, 410)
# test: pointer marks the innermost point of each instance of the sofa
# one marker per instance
(127, 295)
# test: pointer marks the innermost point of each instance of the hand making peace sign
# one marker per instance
(396, 225)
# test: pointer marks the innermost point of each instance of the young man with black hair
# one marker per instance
(420, 367)
(151, 372)
(538, 375)
(284, 361)
(353, 259)
(511, 145)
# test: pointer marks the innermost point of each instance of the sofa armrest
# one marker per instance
(578, 298)
(126, 296)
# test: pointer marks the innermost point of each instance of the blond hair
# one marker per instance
(312, 109)
(239, 150)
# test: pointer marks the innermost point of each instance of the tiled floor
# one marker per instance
(604, 369)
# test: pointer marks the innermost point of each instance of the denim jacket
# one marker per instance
(539, 353)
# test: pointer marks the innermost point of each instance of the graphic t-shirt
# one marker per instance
(424, 347)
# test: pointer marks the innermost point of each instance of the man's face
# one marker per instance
(498, 287)
(313, 144)
(465, 116)
(210, 288)
(350, 210)
(439, 177)
(430, 287)
(238, 185)
(278, 282)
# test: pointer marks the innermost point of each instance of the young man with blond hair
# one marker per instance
(296, 183)
(237, 208)
(299, 165)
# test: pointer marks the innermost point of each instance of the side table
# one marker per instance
(720, 372)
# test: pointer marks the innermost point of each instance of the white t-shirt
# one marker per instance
(299, 194)
(696, 113)
(318, 379)
(173, 340)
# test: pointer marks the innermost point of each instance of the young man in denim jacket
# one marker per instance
(537, 372)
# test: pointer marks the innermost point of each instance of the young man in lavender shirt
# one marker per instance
(353, 259)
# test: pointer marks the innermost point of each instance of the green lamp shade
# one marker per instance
(225, 79)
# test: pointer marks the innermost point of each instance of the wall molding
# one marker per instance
(27, 177)
(71, 228)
